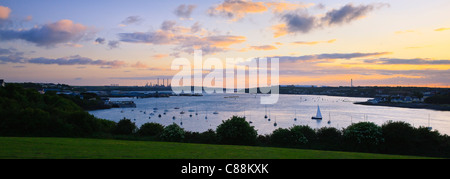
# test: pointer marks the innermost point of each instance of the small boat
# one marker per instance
(329, 120)
(295, 118)
(318, 115)
(182, 112)
(265, 116)
(215, 112)
(176, 108)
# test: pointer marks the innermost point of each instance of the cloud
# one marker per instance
(263, 47)
(77, 60)
(416, 61)
(327, 56)
(237, 9)
(185, 39)
(158, 38)
(159, 56)
(113, 44)
(49, 35)
(299, 22)
(313, 42)
(4, 12)
(184, 11)
(441, 29)
(294, 22)
(347, 14)
(132, 20)
(404, 31)
(13, 56)
(279, 7)
(100, 40)
(139, 65)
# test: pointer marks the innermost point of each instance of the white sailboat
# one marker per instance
(318, 115)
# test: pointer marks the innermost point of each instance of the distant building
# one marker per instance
(2, 83)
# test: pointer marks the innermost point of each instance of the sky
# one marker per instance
(325, 43)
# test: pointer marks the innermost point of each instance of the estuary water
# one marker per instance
(200, 111)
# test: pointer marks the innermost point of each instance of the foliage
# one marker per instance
(150, 129)
(25, 112)
(363, 136)
(125, 127)
(173, 133)
(439, 99)
(236, 131)
(329, 137)
(400, 137)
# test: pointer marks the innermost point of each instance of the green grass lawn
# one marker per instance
(75, 148)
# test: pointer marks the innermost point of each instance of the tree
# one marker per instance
(150, 129)
(329, 137)
(125, 127)
(399, 137)
(236, 131)
(173, 133)
(303, 135)
(363, 136)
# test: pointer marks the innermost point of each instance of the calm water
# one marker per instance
(339, 110)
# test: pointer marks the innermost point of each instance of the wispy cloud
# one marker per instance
(184, 11)
(415, 61)
(326, 56)
(76, 60)
(132, 20)
(238, 9)
(441, 29)
(313, 42)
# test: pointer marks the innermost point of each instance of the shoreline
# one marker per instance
(435, 107)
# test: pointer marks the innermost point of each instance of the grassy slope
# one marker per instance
(101, 148)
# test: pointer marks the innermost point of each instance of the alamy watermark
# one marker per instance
(214, 76)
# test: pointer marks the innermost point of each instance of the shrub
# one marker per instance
(236, 131)
(303, 135)
(125, 127)
(173, 133)
(283, 138)
(208, 137)
(329, 137)
(363, 136)
(399, 137)
(150, 129)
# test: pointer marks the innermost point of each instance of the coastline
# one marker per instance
(410, 105)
